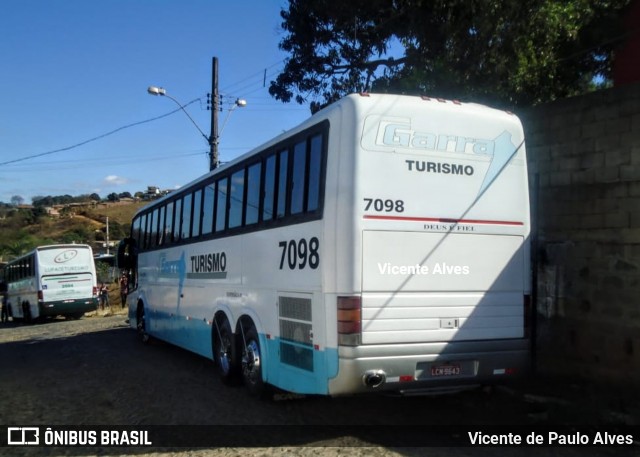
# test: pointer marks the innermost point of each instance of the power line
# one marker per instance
(253, 75)
(260, 85)
(88, 163)
(98, 137)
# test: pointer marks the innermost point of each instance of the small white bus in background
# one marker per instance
(382, 245)
(56, 280)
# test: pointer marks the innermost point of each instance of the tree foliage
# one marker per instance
(500, 52)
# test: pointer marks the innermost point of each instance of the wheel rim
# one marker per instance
(224, 354)
(251, 362)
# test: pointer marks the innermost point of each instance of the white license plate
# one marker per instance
(445, 370)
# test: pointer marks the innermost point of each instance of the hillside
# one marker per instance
(22, 229)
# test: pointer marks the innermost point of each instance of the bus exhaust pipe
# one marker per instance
(374, 378)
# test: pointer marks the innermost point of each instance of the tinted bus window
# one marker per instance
(282, 183)
(168, 225)
(153, 229)
(269, 187)
(144, 232)
(177, 220)
(207, 209)
(253, 194)
(197, 213)
(221, 205)
(237, 199)
(161, 232)
(315, 165)
(186, 217)
(136, 231)
(297, 178)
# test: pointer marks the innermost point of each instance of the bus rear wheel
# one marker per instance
(252, 363)
(224, 354)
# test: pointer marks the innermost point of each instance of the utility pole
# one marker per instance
(215, 100)
(107, 235)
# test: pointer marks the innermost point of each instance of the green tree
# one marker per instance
(17, 200)
(500, 52)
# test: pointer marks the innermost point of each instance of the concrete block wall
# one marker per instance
(585, 152)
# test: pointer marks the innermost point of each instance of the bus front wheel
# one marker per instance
(224, 354)
(141, 324)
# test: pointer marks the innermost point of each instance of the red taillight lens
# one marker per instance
(95, 291)
(349, 320)
(40, 296)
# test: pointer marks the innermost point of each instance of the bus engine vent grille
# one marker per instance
(296, 335)
(295, 308)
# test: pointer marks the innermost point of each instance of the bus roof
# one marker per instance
(355, 102)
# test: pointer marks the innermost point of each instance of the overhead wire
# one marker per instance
(82, 143)
(252, 87)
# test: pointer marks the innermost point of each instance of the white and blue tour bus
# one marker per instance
(55, 280)
(382, 245)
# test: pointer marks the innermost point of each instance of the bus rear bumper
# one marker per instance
(67, 307)
(429, 368)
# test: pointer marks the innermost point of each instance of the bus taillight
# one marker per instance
(95, 291)
(40, 296)
(349, 320)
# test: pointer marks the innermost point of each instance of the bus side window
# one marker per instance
(186, 217)
(282, 183)
(143, 232)
(315, 172)
(197, 213)
(269, 188)
(208, 208)
(297, 177)
(153, 229)
(237, 199)
(221, 204)
(253, 194)
(177, 221)
(161, 233)
(168, 226)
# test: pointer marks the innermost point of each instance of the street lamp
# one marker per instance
(154, 90)
(212, 140)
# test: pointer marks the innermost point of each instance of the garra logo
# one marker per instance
(65, 256)
(398, 133)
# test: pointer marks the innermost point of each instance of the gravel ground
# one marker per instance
(93, 371)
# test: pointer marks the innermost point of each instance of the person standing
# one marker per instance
(124, 289)
(5, 310)
(104, 295)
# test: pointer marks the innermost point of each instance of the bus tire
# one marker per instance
(141, 324)
(224, 352)
(26, 312)
(252, 363)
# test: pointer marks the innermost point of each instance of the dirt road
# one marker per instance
(94, 371)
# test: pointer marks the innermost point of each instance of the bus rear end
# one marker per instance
(439, 295)
(67, 283)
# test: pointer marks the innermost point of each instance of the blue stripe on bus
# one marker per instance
(312, 379)
(309, 377)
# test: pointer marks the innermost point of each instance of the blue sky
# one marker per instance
(73, 70)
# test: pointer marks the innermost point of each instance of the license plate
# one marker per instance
(445, 370)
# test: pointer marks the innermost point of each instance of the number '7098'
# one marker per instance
(300, 254)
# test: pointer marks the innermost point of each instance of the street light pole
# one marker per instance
(213, 138)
